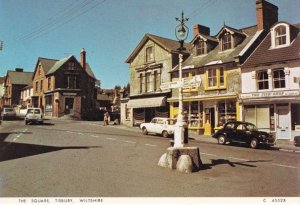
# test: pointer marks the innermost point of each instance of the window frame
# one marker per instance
(226, 41)
(149, 56)
(275, 36)
(280, 78)
(218, 85)
(263, 81)
(201, 48)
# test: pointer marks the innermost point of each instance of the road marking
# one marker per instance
(80, 133)
(286, 166)
(151, 145)
(131, 142)
(108, 138)
(95, 136)
(208, 154)
(71, 132)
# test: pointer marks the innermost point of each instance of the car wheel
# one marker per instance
(145, 132)
(165, 134)
(221, 139)
(254, 143)
(26, 122)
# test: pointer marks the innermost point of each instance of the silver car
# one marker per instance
(8, 113)
(34, 115)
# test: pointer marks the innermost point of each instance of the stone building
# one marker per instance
(150, 65)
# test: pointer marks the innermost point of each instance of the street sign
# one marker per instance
(170, 85)
(192, 82)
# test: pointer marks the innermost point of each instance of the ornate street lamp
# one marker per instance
(181, 135)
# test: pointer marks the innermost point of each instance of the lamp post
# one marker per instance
(181, 33)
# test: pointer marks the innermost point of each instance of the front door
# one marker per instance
(69, 105)
(283, 126)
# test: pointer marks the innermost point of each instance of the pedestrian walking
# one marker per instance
(106, 115)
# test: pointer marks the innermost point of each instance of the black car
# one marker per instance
(297, 141)
(243, 132)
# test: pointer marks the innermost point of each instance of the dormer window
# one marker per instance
(226, 41)
(280, 35)
(149, 54)
(201, 48)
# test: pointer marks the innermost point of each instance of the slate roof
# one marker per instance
(220, 57)
(20, 78)
(47, 63)
(264, 55)
(51, 65)
(167, 44)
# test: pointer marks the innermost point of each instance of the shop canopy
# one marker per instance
(147, 102)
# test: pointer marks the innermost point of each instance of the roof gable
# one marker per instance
(165, 43)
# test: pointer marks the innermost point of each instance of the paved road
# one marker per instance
(77, 158)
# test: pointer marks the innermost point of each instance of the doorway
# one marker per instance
(210, 118)
(283, 122)
(69, 106)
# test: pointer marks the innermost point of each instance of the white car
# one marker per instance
(34, 115)
(159, 125)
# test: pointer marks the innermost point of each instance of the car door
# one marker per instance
(239, 133)
(151, 125)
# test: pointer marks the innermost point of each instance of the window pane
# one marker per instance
(279, 78)
(280, 36)
(262, 80)
(149, 54)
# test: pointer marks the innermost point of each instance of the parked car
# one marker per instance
(243, 132)
(34, 115)
(8, 113)
(159, 125)
(297, 141)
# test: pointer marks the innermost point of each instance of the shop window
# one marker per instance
(295, 110)
(226, 112)
(279, 78)
(258, 115)
(48, 102)
(196, 114)
(262, 80)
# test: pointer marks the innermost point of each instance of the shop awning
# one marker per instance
(147, 102)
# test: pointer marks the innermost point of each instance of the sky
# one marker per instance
(109, 30)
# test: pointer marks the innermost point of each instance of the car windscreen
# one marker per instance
(8, 110)
(37, 111)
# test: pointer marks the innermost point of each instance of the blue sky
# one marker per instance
(109, 30)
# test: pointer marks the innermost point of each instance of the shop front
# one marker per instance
(144, 109)
(207, 114)
(275, 112)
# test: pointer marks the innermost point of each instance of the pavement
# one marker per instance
(281, 145)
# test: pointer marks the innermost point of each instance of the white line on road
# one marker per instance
(208, 154)
(286, 166)
(95, 136)
(108, 138)
(131, 142)
(71, 132)
(151, 145)
(80, 133)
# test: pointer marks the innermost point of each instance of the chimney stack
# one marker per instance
(266, 15)
(83, 58)
(199, 29)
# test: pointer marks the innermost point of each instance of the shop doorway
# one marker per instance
(283, 126)
(210, 118)
(69, 106)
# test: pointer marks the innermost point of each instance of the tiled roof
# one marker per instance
(20, 78)
(167, 44)
(264, 55)
(47, 64)
(220, 57)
